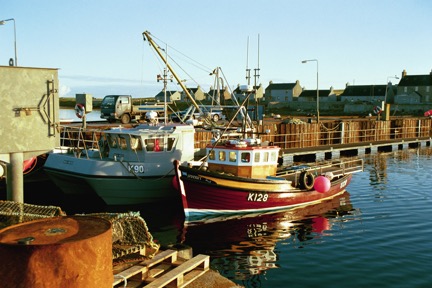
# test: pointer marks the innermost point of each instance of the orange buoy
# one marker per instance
(66, 251)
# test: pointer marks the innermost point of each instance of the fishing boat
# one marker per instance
(123, 166)
(244, 175)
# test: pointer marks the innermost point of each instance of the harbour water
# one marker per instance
(69, 114)
(377, 234)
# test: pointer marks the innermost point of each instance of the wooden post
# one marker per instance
(387, 112)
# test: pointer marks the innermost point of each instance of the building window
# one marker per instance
(427, 88)
(416, 89)
(405, 89)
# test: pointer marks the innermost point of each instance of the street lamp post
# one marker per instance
(317, 100)
(386, 107)
(387, 86)
(3, 22)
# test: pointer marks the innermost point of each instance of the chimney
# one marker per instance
(404, 73)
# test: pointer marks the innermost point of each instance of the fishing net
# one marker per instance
(131, 237)
(12, 213)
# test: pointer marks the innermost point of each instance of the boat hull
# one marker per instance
(206, 193)
(109, 180)
(113, 190)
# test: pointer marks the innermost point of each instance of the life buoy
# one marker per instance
(377, 110)
(79, 110)
(29, 164)
(307, 180)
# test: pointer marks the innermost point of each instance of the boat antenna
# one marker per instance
(165, 86)
(257, 75)
(247, 63)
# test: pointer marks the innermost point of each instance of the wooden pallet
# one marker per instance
(163, 270)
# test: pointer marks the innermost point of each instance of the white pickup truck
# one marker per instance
(215, 113)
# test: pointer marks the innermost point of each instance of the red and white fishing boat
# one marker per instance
(243, 176)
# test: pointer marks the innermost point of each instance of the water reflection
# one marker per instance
(242, 248)
(377, 167)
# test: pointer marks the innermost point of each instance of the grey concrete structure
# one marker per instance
(29, 117)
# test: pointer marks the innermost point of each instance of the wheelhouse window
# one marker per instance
(232, 156)
(112, 141)
(122, 142)
(257, 157)
(222, 156)
(212, 155)
(245, 157)
(170, 143)
(135, 143)
(265, 157)
(155, 145)
(273, 157)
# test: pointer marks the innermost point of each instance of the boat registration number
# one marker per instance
(257, 197)
(343, 184)
(137, 168)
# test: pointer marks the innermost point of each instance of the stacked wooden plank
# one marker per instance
(165, 269)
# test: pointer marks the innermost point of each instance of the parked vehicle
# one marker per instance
(120, 107)
(214, 113)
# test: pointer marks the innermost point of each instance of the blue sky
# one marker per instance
(99, 49)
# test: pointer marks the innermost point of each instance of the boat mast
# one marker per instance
(146, 34)
(256, 77)
(247, 63)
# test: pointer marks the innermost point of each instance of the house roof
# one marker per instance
(193, 90)
(162, 93)
(364, 90)
(416, 80)
(313, 93)
(281, 86)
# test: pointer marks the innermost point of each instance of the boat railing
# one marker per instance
(81, 141)
(337, 168)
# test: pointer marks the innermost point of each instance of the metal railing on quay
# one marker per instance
(308, 135)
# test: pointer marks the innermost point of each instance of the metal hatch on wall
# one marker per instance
(29, 116)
